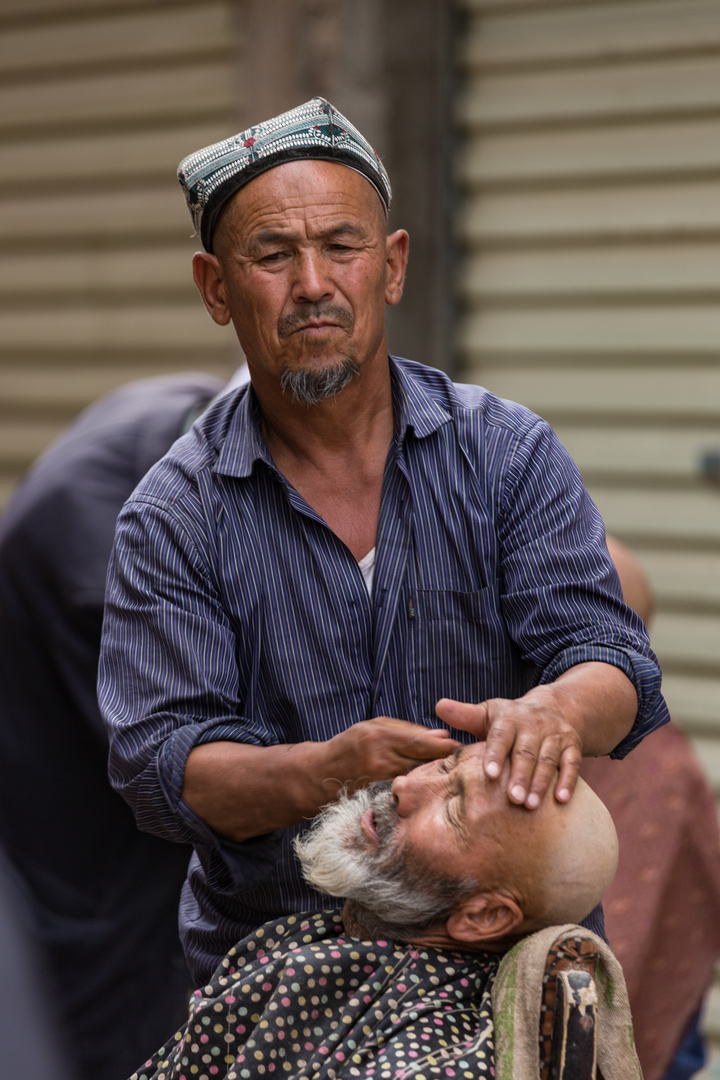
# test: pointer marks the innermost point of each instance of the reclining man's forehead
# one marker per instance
(315, 130)
(492, 794)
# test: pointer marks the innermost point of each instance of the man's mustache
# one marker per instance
(310, 313)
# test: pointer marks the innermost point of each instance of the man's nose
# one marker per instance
(312, 282)
(410, 789)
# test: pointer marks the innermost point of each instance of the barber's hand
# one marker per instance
(530, 731)
(383, 748)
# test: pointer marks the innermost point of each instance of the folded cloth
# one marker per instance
(517, 998)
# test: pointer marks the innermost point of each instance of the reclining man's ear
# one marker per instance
(486, 916)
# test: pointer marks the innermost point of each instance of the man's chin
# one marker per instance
(312, 383)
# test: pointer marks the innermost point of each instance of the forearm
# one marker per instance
(241, 790)
(598, 699)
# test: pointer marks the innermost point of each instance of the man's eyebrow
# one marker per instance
(447, 764)
(461, 791)
(455, 756)
(344, 227)
(457, 821)
(268, 238)
(456, 817)
(271, 237)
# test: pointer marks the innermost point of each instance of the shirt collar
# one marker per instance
(243, 444)
(416, 404)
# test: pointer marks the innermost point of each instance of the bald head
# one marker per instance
(559, 860)
(442, 857)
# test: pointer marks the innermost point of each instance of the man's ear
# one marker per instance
(208, 276)
(396, 258)
(486, 916)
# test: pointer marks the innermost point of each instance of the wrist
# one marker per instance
(597, 700)
(310, 771)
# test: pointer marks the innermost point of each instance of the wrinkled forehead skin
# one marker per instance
(320, 192)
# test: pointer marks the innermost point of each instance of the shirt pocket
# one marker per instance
(459, 648)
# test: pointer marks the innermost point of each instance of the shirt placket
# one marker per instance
(394, 543)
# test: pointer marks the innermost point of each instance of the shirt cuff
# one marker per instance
(643, 672)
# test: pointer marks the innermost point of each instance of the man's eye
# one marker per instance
(273, 256)
(448, 764)
(451, 811)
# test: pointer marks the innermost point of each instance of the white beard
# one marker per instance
(392, 893)
(335, 853)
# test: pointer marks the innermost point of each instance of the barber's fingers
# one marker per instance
(541, 761)
(485, 721)
(502, 743)
(570, 762)
(415, 743)
(542, 746)
(384, 747)
(491, 721)
(534, 769)
(464, 716)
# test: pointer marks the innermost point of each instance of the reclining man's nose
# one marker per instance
(411, 788)
(402, 790)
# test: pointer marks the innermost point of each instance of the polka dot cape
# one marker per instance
(299, 998)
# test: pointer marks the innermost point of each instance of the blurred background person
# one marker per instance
(100, 897)
(662, 911)
(31, 1043)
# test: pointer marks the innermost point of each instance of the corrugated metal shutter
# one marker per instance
(589, 162)
(98, 103)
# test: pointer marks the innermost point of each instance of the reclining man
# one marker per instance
(442, 874)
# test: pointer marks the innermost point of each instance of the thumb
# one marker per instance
(464, 716)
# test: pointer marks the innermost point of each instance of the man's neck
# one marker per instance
(356, 925)
(334, 453)
(345, 424)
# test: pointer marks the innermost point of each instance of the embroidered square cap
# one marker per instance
(211, 176)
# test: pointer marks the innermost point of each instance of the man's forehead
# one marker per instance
(483, 798)
(471, 753)
(318, 185)
(321, 195)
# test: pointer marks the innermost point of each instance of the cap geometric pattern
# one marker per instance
(211, 176)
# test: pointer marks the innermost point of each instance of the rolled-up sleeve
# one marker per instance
(168, 675)
(561, 594)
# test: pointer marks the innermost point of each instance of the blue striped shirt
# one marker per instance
(234, 612)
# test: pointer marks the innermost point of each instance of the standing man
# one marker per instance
(334, 559)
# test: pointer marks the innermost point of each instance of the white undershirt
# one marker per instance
(367, 569)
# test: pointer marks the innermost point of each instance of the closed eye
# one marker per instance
(455, 814)
(448, 764)
(455, 806)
